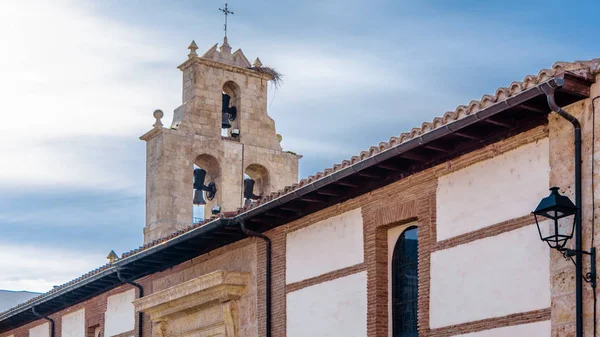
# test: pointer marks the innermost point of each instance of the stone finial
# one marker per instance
(158, 114)
(257, 63)
(112, 257)
(193, 46)
(225, 47)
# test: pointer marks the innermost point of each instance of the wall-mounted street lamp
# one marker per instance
(556, 217)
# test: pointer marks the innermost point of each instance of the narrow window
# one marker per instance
(405, 284)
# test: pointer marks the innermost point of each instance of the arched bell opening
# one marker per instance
(230, 109)
(207, 180)
(257, 183)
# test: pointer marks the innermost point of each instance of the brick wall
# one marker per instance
(408, 200)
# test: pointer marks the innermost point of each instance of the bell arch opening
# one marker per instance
(230, 109)
(207, 197)
(260, 175)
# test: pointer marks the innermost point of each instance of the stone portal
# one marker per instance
(206, 306)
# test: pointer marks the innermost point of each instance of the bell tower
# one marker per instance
(220, 134)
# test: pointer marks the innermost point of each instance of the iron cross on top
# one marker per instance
(225, 11)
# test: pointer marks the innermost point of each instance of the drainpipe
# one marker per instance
(268, 271)
(46, 318)
(549, 91)
(141, 290)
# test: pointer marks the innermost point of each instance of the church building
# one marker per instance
(430, 234)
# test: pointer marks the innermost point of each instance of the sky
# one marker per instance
(80, 79)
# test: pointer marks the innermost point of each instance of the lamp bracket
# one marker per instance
(589, 277)
(573, 252)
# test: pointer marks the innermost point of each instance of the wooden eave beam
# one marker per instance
(498, 123)
(414, 156)
(390, 167)
(576, 86)
(290, 209)
(465, 135)
(311, 199)
(329, 192)
(368, 175)
(530, 107)
(436, 148)
(346, 183)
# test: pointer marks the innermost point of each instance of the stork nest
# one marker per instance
(276, 77)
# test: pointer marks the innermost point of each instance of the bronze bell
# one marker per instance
(249, 191)
(199, 197)
(225, 121)
(227, 113)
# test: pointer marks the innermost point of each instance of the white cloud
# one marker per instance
(68, 73)
(32, 268)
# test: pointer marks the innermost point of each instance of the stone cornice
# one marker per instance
(152, 133)
(210, 289)
(228, 67)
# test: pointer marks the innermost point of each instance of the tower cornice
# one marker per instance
(197, 59)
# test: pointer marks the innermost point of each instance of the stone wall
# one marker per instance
(562, 175)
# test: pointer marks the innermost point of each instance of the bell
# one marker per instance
(199, 176)
(228, 113)
(199, 197)
(225, 102)
(225, 121)
(249, 190)
(199, 187)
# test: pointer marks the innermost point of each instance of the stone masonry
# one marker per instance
(195, 138)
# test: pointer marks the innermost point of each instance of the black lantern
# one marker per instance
(555, 217)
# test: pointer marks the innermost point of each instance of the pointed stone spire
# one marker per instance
(112, 257)
(257, 63)
(192, 49)
(225, 47)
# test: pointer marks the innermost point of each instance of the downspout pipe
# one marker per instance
(141, 290)
(46, 318)
(549, 91)
(267, 272)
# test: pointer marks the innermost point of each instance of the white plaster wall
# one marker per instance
(325, 246)
(498, 189)
(392, 237)
(330, 309)
(537, 329)
(42, 330)
(73, 324)
(120, 313)
(496, 276)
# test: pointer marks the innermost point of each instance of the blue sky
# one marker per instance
(80, 81)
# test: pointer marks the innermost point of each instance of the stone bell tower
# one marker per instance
(196, 139)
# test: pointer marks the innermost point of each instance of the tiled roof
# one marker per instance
(108, 265)
(579, 68)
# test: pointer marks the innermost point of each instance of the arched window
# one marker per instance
(405, 284)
